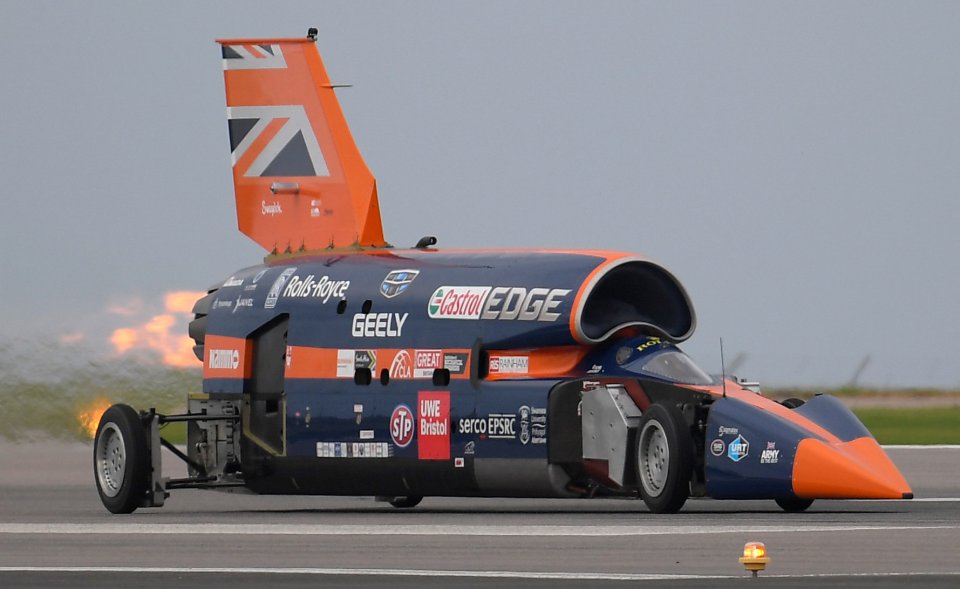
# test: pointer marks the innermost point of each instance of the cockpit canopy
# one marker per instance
(662, 360)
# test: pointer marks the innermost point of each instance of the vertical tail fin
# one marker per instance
(299, 178)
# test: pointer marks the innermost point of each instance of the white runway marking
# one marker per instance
(445, 573)
(921, 446)
(371, 572)
(435, 530)
(914, 500)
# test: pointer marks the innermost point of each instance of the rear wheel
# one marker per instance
(406, 502)
(664, 459)
(794, 504)
(121, 460)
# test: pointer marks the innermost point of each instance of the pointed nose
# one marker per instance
(859, 469)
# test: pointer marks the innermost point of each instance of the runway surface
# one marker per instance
(54, 532)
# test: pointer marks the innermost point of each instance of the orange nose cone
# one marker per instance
(850, 470)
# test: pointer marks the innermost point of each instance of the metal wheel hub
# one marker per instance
(111, 459)
(654, 457)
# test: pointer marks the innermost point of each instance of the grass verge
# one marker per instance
(922, 425)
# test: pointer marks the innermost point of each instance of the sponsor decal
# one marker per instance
(397, 282)
(718, 447)
(458, 462)
(378, 324)
(433, 419)
(218, 304)
(771, 455)
(365, 359)
(595, 369)
(738, 449)
(242, 302)
(401, 426)
(400, 367)
(509, 364)
(289, 356)
(232, 281)
(317, 210)
(354, 449)
(470, 448)
(455, 363)
(496, 426)
(366, 434)
(349, 360)
(426, 361)
(457, 302)
(270, 209)
(345, 363)
(524, 413)
(322, 288)
(538, 425)
(653, 341)
(724, 430)
(274, 293)
(259, 275)
(224, 359)
(537, 304)
(501, 302)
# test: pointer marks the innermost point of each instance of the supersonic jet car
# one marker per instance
(343, 366)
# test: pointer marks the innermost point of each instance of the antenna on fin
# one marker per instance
(297, 172)
(723, 371)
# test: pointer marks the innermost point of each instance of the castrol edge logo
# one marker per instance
(499, 302)
(457, 302)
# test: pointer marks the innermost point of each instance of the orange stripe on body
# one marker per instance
(312, 363)
(588, 283)
(734, 391)
(541, 363)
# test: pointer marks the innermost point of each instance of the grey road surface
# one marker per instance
(54, 532)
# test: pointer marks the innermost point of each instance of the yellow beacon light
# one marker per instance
(754, 557)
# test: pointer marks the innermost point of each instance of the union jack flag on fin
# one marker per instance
(291, 151)
(252, 57)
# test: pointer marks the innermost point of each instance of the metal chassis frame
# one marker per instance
(160, 486)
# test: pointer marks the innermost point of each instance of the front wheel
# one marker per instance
(794, 504)
(121, 460)
(664, 459)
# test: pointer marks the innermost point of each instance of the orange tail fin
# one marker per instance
(300, 181)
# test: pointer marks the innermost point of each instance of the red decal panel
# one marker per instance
(433, 425)
(227, 357)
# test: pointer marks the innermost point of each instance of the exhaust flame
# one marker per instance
(89, 416)
(164, 333)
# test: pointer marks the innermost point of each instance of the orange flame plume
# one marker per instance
(89, 416)
(164, 333)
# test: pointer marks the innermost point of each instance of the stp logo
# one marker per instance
(401, 426)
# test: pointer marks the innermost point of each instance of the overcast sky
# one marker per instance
(796, 165)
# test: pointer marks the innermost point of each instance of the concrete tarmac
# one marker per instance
(55, 532)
